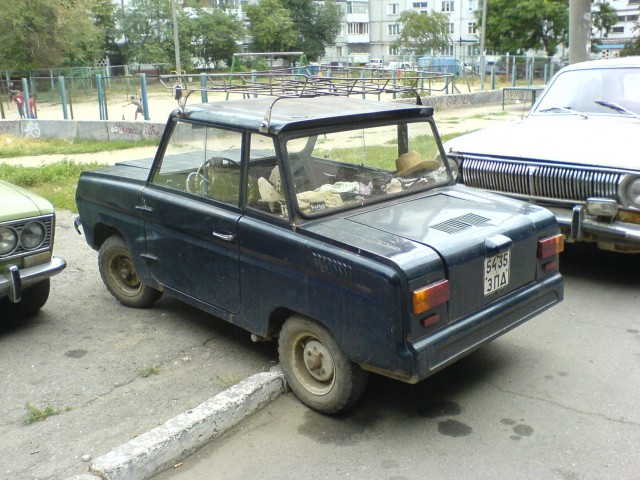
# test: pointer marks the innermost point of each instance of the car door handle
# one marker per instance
(223, 236)
(144, 208)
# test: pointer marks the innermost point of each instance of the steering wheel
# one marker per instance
(201, 179)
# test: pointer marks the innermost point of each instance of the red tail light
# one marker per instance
(431, 296)
(550, 246)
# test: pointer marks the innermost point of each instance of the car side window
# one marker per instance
(265, 190)
(202, 160)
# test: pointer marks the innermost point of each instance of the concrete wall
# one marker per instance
(87, 130)
(135, 131)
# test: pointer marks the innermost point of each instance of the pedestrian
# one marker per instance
(178, 90)
(32, 107)
(139, 109)
(19, 101)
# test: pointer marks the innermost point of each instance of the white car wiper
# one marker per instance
(564, 109)
(618, 107)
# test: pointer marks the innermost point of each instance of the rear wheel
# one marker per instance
(119, 275)
(316, 369)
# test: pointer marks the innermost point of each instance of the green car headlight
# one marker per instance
(32, 235)
(8, 240)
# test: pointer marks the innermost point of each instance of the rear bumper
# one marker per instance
(13, 280)
(457, 340)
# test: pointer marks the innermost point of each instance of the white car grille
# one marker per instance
(540, 181)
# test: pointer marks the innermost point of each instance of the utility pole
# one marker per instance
(176, 42)
(483, 36)
(579, 30)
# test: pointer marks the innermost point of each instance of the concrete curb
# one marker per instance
(164, 446)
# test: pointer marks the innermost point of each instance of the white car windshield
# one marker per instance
(608, 91)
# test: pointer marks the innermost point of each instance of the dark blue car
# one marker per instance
(332, 224)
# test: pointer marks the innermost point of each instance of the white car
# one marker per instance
(575, 153)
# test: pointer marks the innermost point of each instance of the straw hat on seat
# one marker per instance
(410, 162)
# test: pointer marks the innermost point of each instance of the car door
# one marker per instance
(192, 211)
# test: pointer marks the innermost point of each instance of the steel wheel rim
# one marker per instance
(312, 364)
(123, 275)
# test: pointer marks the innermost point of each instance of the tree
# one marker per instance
(514, 26)
(301, 25)
(424, 33)
(37, 34)
(145, 30)
(317, 24)
(271, 27)
(604, 17)
(214, 35)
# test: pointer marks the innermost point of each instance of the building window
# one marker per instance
(618, 29)
(393, 50)
(447, 5)
(358, 7)
(393, 29)
(358, 28)
(451, 29)
(420, 5)
(472, 27)
(448, 50)
(393, 8)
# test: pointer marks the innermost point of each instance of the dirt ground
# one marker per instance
(84, 355)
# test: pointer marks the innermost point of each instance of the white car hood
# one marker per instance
(599, 140)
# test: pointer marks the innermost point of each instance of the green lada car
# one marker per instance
(27, 226)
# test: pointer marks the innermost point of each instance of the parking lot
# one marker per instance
(556, 398)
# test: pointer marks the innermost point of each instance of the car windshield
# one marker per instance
(609, 91)
(338, 169)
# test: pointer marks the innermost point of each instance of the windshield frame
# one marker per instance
(445, 172)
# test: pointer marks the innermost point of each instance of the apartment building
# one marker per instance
(370, 28)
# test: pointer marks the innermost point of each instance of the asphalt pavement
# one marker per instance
(556, 398)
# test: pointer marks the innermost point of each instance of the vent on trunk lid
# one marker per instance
(457, 224)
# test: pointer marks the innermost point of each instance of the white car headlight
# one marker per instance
(8, 240)
(32, 235)
(633, 192)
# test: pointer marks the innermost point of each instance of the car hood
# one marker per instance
(598, 140)
(19, 203)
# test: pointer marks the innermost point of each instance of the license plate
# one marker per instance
(496, 272)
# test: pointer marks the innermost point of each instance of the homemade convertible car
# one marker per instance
(330, 223)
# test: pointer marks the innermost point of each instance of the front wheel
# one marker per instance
(316, 369)
(120, 277)
(33, 299)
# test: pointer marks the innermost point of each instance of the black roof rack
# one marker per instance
(300, 82)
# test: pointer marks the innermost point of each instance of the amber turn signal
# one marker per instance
(431, 296)
(550, 246)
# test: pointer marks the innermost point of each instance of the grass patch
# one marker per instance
(148, 371)
(22, 147)
(35, 414)
(56, 181)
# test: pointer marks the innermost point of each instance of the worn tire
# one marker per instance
(119, 275)
(316, 369)
(33, 299)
